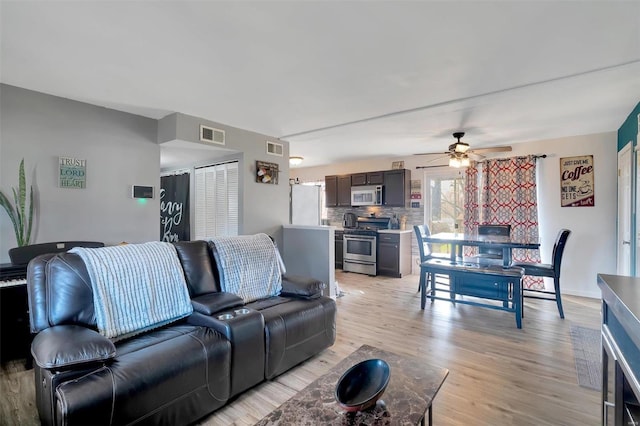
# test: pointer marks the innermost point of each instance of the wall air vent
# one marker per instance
(274, 148)
(211, 135)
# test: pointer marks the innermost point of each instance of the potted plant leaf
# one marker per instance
(22, 224)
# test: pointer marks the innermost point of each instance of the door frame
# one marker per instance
(436, 173)
(624, 258)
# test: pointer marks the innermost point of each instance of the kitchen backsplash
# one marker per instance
(415, 216)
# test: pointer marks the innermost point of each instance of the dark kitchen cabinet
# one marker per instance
(394, 254)
(337, 191)
(397, 188)
(344, 191)
(331, 191)
(339, 247)
(369, 178)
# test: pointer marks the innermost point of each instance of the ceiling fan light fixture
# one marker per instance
(461, 147)
(295, 161)
(465, 162)
(454, 161)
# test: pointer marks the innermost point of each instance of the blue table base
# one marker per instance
(485, 282)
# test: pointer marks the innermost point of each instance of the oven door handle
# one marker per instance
(349, 237)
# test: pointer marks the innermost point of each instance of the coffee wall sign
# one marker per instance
(576, 181)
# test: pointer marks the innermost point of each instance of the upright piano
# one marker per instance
(15, 333)
(15, 337)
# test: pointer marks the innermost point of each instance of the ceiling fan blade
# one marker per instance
(434, 160)
(490, 149)
(432, 153)
(475, 156)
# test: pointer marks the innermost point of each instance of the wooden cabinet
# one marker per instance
(344, 191)
(337, 191)
(368, 178)
(397, 188)
(393, 257)
(331, 191)
(339, 243)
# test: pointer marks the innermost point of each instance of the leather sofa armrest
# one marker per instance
(210, 303)
(301, 286)
(66, 346)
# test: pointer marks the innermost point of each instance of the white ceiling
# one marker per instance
(340, 80)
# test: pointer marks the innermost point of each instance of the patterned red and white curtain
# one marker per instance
(508, 197)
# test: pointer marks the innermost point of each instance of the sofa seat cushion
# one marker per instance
(295, 330)
(173, 375)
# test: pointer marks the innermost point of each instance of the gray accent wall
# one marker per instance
(120, 150)
(262, 207)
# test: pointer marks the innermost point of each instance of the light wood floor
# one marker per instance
(498, 375)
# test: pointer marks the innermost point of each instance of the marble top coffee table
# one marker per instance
(412, 387)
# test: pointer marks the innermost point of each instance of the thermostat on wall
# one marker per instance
(138, 191)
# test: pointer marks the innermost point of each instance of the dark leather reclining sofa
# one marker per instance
(171, 375)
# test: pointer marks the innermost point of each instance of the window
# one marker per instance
(216, 201)
(444, 203)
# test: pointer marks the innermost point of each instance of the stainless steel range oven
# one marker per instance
(360, 245)
(359, 253)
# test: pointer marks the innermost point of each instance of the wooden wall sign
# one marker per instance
(266, 172)
(576, 181)
(72, 173)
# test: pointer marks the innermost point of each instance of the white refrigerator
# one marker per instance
(306, 205)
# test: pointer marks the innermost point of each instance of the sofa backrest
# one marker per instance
(199, 270)
(60, 289)
(59, 292)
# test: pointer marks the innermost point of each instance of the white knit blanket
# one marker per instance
(249, 266)
(136, 287)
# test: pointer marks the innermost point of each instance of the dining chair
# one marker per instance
(551, 270)
(426, 253)
(490, 255)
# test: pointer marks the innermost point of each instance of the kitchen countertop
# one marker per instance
(383, 231)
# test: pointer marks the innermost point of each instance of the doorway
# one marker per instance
(444, 203)
(624, 210)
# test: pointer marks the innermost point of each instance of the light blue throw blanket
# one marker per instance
(136, 287)
(249, 266)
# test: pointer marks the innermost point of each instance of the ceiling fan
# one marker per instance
(460, 154)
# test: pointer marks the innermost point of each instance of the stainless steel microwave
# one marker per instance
(366, 195)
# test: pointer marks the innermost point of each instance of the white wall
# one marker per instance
(591, 248)
(120, 150)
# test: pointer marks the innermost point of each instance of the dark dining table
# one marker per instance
(459, 240)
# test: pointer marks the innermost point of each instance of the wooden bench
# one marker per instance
(491, 282)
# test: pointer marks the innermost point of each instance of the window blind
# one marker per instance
(216, 201)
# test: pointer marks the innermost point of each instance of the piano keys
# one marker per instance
(12, 275)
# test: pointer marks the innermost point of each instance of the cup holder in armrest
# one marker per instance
(236, 312)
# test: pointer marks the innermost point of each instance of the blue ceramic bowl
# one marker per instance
(362, 385)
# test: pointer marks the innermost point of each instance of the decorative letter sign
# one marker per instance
(576, 181)
(73, 173)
